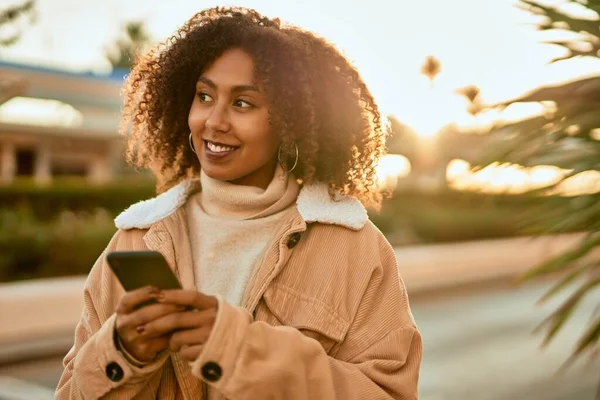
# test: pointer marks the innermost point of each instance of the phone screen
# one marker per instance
(136, 269)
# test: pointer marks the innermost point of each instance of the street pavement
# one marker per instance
(478, 344)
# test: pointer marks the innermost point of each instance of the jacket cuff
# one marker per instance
(216, 363)
(101, 367)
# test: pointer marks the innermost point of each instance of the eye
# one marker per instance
(204, 97)
(243, 104)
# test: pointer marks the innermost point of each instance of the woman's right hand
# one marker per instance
(131, 321)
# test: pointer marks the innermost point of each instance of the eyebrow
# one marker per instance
(238, 88)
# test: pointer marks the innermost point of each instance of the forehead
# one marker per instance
(234, 67)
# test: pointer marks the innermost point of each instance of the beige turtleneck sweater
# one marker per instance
(230, 227)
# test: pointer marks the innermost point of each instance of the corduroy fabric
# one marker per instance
(328, 318)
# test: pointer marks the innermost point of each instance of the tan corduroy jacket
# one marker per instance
(325, 314)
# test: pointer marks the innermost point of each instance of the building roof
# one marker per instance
(117, 74)
(96, 98)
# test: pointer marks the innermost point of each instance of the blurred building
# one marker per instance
(55, 123)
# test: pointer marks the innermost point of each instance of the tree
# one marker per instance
(431, 68)
(472, 94)
(9, 17)
(565, 136)
(126, 50)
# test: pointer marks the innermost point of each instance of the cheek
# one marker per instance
(196, 119)
(260, 133)
(263, 141)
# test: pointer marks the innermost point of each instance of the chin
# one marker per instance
(217, 174)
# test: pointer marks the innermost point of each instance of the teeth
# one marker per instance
(219, 149)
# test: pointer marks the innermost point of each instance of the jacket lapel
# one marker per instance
(161, 237)
(275, 258)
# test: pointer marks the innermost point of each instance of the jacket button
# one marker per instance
(293, 240)
(211, 371)
(114, 372)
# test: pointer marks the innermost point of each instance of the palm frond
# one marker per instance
(564, 260)
(569, 279)
(559, 317)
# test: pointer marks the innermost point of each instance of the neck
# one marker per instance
(219, 198)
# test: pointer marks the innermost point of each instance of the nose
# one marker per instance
(218, 120)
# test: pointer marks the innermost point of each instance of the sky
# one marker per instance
(488, 43)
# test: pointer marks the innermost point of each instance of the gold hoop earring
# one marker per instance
(192, 143)
(283, 165)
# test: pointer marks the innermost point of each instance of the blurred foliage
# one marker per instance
(60, 229)
(473, 95)
(403, 140)
(431, 68)
(411, 217)
(126, 50)
(69, 244)
(9, 18)
(75, 195)
(565, 136)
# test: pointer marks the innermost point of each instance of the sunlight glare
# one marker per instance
(391, 168)
(39, 112)
(515, 179)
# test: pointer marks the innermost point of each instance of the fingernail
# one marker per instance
(140, 329)
(153, 290)
(160, 296)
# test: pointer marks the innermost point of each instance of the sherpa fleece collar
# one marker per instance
(314, 204)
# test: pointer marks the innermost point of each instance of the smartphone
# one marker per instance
(136, 269)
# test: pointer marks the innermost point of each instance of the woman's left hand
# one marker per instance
(191, 329)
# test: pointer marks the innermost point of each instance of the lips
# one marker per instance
(219, 148)
(217, 151)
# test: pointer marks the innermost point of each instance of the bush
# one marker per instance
(69, 244)
(46, 202)
(62, 228)
(448, 216)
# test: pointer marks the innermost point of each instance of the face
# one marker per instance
(229, 121)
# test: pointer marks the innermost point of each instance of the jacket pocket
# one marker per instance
(282, 305)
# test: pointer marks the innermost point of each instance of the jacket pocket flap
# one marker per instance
(302, 312)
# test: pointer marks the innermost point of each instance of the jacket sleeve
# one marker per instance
(379, 358)
(94, 368)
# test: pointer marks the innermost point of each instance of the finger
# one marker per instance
(132, 327)
(189, 337)
(191, 353)
(180, 320)
(158, 344)
(135, 297)
(150, 313)
(146, 350)
(192, 298)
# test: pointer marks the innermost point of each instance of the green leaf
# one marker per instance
(562, 261)
(567, 280)
(586, 87)
(558, 318)
(588, 339)
(575, 24)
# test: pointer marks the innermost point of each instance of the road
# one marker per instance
(478, 344)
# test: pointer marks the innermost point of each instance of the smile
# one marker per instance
(218, 147)
(218, 152)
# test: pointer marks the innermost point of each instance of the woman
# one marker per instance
(266, 139)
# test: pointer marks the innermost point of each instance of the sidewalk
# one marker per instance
(433, 267)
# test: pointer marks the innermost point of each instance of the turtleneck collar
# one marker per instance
(224, 199)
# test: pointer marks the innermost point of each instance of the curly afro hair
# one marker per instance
(316, 99)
